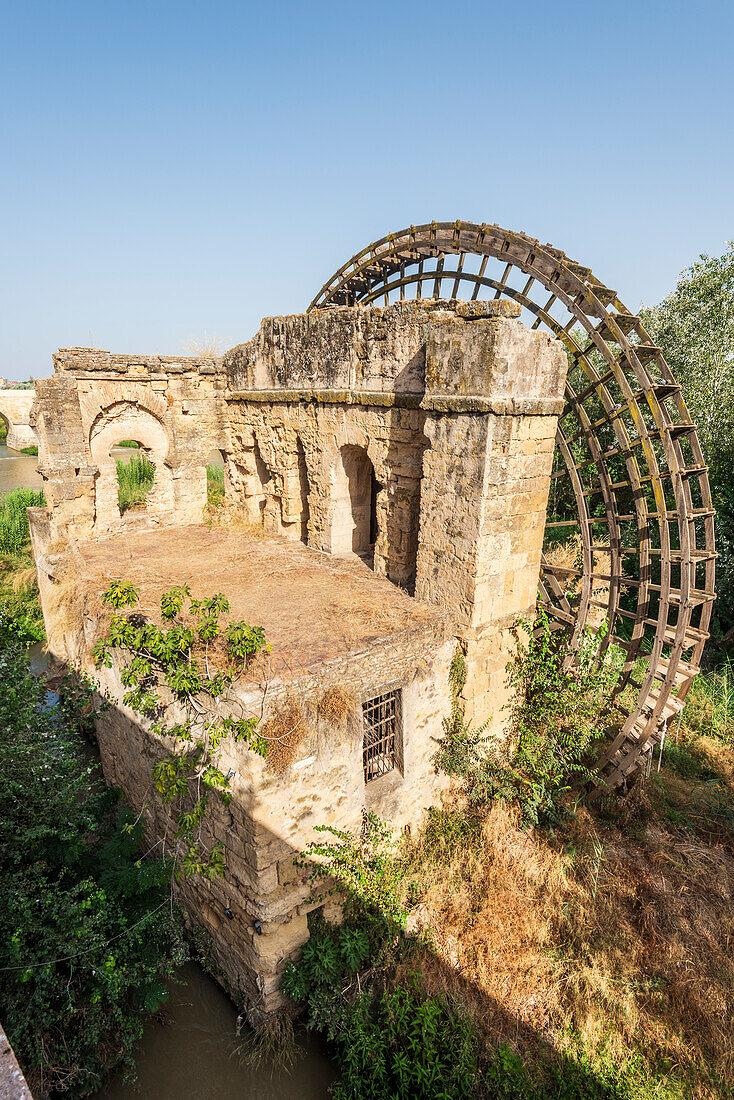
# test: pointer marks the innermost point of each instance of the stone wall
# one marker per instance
(173, 407)
(419, 435)
(273, 810)
(455, 405)
(12, 1082)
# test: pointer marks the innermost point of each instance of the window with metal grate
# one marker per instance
(382, 743)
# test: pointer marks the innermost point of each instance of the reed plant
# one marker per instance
(709, 709)
(135, 480)
(14, 518)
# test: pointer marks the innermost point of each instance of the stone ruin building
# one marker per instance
(392, 472)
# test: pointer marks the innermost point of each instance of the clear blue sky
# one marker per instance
(171, 169)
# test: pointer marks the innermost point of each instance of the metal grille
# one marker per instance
(381, 745)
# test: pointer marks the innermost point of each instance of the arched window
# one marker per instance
(129, 446)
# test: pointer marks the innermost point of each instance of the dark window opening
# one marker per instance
(382, 744)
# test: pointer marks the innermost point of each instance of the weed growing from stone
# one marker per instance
(172, 683)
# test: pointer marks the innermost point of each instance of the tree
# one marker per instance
(694, 325)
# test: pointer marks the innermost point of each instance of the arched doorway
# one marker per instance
(215, 479)
(147, 471)
(354, 503)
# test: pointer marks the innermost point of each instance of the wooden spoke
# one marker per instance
(629, 452)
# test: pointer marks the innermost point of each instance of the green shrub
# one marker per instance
(87, 937)
(556, 717)
(394, 1042)
(14, 518)
(29, 450)
(363, 865)
(128, 443)
(135, 480)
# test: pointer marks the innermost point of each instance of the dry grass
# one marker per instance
(336, 705)
(617, 930)
(235, 517)
(65, 601)
(271, 1044)
(23, 578)
(284, 731)
(203, 347)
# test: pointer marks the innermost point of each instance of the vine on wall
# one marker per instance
(173, 682)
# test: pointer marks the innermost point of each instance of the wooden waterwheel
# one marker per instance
(630, 502)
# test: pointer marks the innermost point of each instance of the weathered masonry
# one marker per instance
(390, 467)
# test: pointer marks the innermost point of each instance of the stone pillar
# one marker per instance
(63, 461)
(494, 390)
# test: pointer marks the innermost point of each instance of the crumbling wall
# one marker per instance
(172, 406)
(452, 408)
(456, 405)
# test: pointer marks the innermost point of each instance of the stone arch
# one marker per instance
(353, 513)
(129, 420)
(5, 421)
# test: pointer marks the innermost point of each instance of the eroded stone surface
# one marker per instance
(419, 436)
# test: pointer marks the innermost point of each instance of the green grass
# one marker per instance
(709, 706)
(214, 485)
(14, 518)
(135, 480)
(19, 604)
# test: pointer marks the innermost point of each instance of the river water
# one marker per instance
(18, 471)
(192, 1052)
(193, 1055)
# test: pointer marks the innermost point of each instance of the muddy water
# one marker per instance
(18, 471)
(193, 1055)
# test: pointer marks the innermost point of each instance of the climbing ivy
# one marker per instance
(172, 681)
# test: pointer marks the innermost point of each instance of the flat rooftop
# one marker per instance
(312, 606)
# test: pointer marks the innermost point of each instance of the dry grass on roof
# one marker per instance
(312, 606)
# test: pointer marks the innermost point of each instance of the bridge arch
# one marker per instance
(629, 477)
(15, 407)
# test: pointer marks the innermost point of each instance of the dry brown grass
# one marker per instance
(23, 578)
(335, 705)
(284, 731)
(235, 517)
(617, 929)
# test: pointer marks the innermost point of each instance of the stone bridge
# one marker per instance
(15, 408)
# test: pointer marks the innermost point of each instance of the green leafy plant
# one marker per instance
(172, 682)
(360, 865)
(87, 935)
(214, 485)
(134, 480)
(556, 716)
(14, 518)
